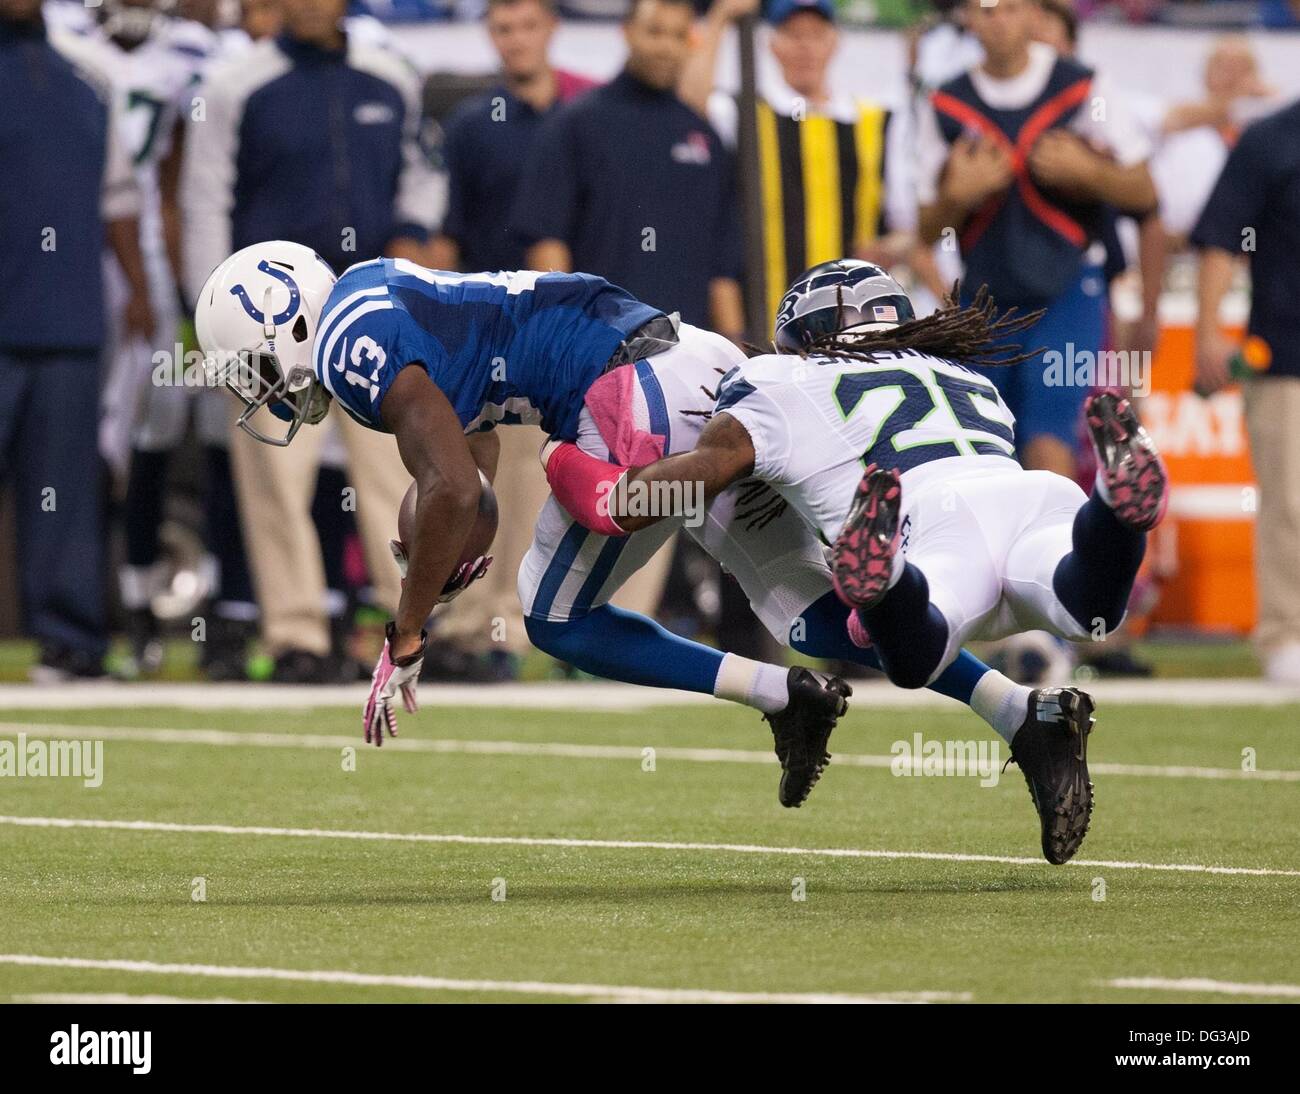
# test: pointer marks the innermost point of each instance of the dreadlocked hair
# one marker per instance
(972, 335)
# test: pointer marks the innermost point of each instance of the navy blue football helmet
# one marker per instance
(843, 295)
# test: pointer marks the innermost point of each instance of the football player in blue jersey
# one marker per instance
(590, 364)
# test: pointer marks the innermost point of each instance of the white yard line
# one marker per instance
(616, 845)
(610, 992)
(115, 998)
(634, 753)
(584, 696)
(1217, 987)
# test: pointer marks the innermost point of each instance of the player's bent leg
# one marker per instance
(1094, 578)
(911, 635)
(621, 645)
(782, 568)
(565, 582)
(917, 613)
(1071, 571)
(823, 630)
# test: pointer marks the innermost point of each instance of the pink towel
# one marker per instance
(612, 402)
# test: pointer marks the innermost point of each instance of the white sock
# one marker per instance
(754, 683)
(1000, 702)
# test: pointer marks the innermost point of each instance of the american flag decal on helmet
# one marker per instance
(884, 313)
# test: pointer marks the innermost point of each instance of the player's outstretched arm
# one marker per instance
(436, 453)
(612, 499)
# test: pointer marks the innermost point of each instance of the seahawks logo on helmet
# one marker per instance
(843, 295)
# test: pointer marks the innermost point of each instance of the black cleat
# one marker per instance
(802, 729)
(1051, 749)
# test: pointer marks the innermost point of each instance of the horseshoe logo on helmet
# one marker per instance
(280, 317)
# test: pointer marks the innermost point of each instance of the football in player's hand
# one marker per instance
(481, 533)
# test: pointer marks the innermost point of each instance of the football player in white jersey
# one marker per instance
(159, 58)
(871, 425)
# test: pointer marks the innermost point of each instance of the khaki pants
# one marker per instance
(1273, 422)
(275, 487)
(489, 615)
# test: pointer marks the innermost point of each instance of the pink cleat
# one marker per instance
(862, 564)
(1131, 476)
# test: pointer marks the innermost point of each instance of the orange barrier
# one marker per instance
(1209, 532)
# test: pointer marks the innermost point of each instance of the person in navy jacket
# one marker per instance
(68, 191)
(312, 136)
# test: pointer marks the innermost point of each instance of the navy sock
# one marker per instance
(909, 632)
(823, 634)
(1094, 580)
(621, 645)
(333, 525)
(820, 632)
(146, 487)
(225, 534)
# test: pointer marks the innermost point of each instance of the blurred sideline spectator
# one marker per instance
(835, 169)
(1192, 138)
(68, 188)
(488, 136)
(1026, 203)
(941, 47)
(1254, 212)
(630, 183)
(158, 58)
(347, 178)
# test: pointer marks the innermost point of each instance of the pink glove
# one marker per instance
(468, 572)
(464, 577)
(390, 677)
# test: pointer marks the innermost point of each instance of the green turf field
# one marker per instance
(687, 919)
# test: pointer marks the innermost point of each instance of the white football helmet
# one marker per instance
(256, 321)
